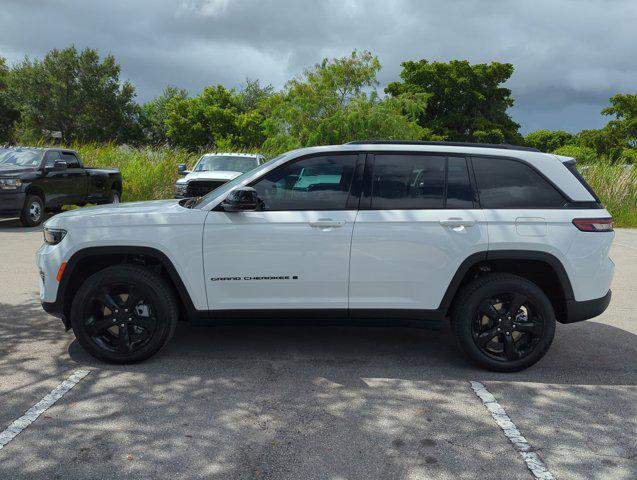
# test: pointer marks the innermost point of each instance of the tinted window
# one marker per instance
(71, 160)
(408, 182)
(506, 183)
(315, 183)
(459, 192)
(51, 157)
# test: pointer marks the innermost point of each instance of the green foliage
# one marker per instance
(581, 154)
(153, 115)
(74, 93)
(8, 114)
(548, 140)
(214, 118)
(616, 186)
(467, 102)
(335, 102)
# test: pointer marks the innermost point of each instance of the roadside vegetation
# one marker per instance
(75, 98)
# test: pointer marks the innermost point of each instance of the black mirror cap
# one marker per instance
(59, 165)
(242, 199)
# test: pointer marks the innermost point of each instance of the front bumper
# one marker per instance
(579, 311)
(11, 203)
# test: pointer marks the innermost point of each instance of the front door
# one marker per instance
(294, 252)
(418, 221)
(77, 179)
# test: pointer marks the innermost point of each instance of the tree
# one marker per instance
(213, 118)
(548, 140)
(153, 114)
(466, 101)
(8, 114)
(74, 93)
(335, 102)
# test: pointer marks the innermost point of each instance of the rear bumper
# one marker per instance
(579, 311)
(11, 203)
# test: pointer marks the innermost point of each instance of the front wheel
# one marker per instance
(124, 314)
(113, 197)
(32, 212)
(503, 322)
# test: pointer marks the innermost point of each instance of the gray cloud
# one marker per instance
(570, 55)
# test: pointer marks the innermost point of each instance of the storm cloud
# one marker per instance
(570, 56)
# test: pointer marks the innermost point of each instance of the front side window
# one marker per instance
(71, 160)
(314, 183)
(408, 182)
(505, 183)
(51, 157)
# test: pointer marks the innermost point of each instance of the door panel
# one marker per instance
(407, 258)
(277, 260)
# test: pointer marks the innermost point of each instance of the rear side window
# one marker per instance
(408, 182)
(573, 169)
(459, 191)
(504, 183)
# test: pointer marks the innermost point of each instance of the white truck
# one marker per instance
(504, 241)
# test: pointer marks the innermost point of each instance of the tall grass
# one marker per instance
(616, 185)
(147, 173)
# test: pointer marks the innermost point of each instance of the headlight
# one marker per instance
(53, 236)
(180, 188)
(10, 183)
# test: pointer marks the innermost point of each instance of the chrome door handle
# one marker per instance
(457, 222)
(326, 223)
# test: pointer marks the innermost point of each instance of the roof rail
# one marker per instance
(504, 146)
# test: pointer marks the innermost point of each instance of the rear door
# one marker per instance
(419, 219)
(294, 253)
(76, 188)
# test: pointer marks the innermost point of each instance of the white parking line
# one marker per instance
(36, 410)
(532, 459)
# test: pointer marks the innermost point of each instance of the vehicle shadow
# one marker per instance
(290, 402)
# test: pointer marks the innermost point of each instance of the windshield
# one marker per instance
(226, 187)
(20, 158)
(228, 163)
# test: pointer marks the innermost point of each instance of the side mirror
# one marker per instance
(244, 199)
(58, 166)
(181, 169)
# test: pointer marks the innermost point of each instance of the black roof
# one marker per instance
(503, 146)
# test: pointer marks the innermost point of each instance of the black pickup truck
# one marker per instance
(34, 180)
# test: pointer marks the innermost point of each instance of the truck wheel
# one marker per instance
(503, 322)
(113, 197)
(32, 212)
(124, 314)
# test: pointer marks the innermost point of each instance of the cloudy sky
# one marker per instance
(570, 56)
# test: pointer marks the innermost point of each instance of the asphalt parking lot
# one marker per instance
(311, 402)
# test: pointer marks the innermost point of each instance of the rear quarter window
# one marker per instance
(507, 183)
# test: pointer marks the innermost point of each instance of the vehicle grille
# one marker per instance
(198, 188)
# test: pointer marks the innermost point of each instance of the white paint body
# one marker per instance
(357, 259)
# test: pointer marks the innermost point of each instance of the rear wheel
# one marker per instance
(503, 322)
(124, 314)
(32, 212)
(113, 197)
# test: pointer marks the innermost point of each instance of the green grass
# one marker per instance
(147, 173)
(150, 173)
(616, 185)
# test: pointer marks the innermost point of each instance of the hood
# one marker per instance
(119, 214)
(14, 170)
(212, 175)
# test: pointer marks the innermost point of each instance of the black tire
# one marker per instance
(113, 197)
(141, 302)
(32, 212)
(495, 338)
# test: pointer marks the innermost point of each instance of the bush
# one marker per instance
(581, 154)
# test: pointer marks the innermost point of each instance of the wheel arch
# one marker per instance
(542, 268)
(36, 190)
(88, 261)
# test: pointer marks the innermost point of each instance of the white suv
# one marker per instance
(503, 240)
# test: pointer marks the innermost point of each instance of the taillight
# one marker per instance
(594, 224)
